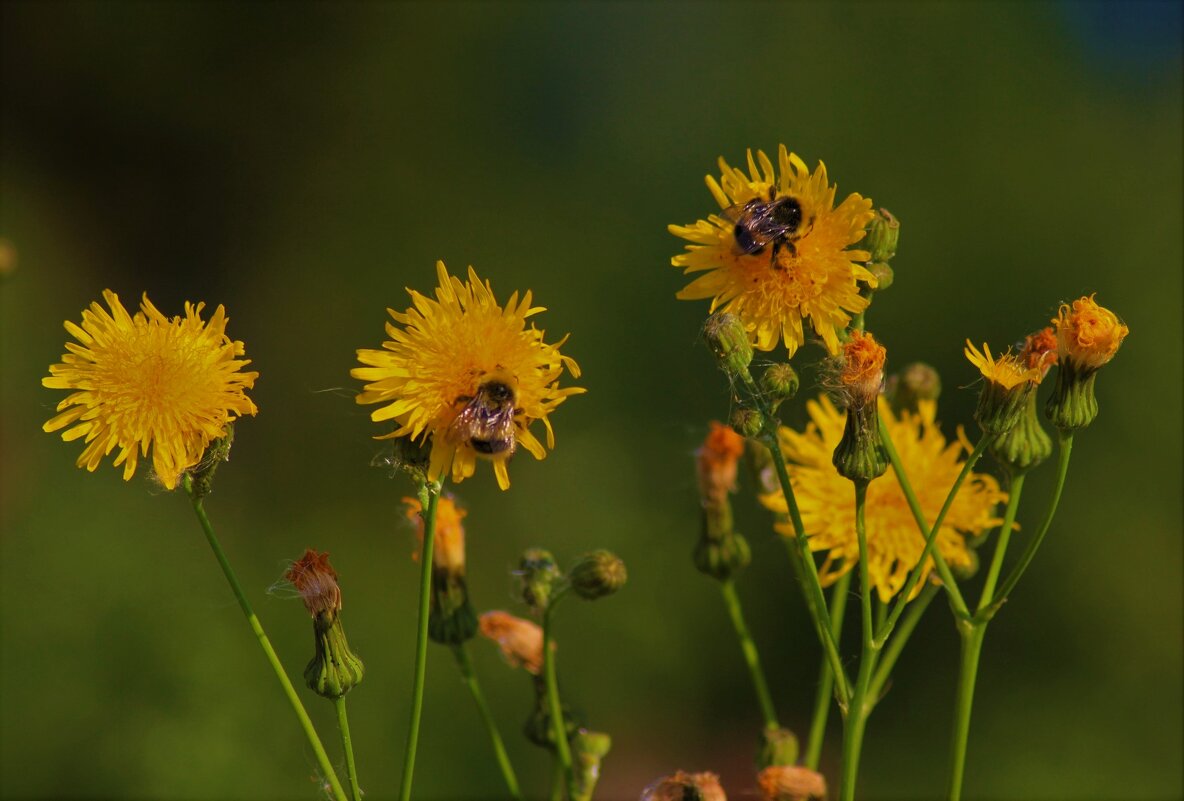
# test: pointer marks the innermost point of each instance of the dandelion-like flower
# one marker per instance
(1007, 372)
(893, 541)
(802, 269)
(149, 382)
(1008, 386)
(521, 640)
(468, 375)
(1088, 334)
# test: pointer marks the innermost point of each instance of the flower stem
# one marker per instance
(347, 744)
(930, 533)
(855, 720)
(826, 679)
(751, 656)
(1065, 442)
(499, 748)
(897, 642)
(264, 643)
(554, 707)
(428, 495)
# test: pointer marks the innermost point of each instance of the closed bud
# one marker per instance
(779, 747)
(916, 382)
(747, 422)
(538, 728)
(883, 232)
(884, 274)
(860, 455)
(539, 575)
(597, 574)
(722, 557)
(779, 383)
(588, 749)
(728, 341)
(963, 571)
(1026, 444)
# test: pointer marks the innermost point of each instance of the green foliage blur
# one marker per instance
(304, 163)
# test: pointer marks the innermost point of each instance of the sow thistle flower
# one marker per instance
(1088, 336)
(466, 377)
(451, 620)
(777, 253)
(1008, 383)
(893, 541)
(149, 382)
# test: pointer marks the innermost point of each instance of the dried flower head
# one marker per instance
(791, 783)
(468, 374)
(316, 581)
(149, 382)
(1040, 351)
(1088, 334)
(683, 785)
(521, 641)
(448, 552)
(777, 254)
(894, 543)
(717, 460)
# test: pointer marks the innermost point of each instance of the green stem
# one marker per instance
(826, 679)
(557, 782)
(972, 634)
(751, 656)
(499, 748)
(347, 744)
(558, 728)
(897, 642)
(972, 644)
(1065, 449)
(930, 533)
(264, 643)
(428, 495)
(855, 720)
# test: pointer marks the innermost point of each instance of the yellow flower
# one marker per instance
(467, 374)
(810, 274)
(448, 551)
(1088, 334)
(1008, 371)
(861, 368)
(894, 544)
(149, 381)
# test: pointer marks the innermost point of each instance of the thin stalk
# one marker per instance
(826, 679)
(428, 495)
(930, 533)
(897, 642)
(558, 729)
(751, 656)
(856, 718)
(470, 679)
(1065, 441)
(557, 782)
(972, 634)
(264, 643)
(348, 746)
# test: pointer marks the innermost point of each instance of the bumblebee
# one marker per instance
(486, 421)
(760, 223)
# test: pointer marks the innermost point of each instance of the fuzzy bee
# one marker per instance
(486, 422)
(759, 223)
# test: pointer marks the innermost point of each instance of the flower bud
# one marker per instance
(597, 574)
(883, 232)
(779, 746)
(860, 455)
(1088, 336)
(883, 273)
(722, 557)
(1026, 444)
(1007, 385)
(916, 382)
(747, 422)
(588, 749)
(728, 341)
(962, 570)
(789, 783)
(684, 786)
(451, 620)
(334, 669)
(539, 575)
(779, 383)
(538, 728)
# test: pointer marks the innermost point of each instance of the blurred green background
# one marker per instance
(302, 164)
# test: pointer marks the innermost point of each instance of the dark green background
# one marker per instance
(304, 163)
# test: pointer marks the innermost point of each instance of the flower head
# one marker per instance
(448, 552)
(468, 374)
(791, 783)
(683, 785)
(1007, 372)
(316, 581)
(894, 543)
(521, 640)
(1009, 384)
(149, 382)
(1088, 334)
(784, 268)
(716, 461)
(861, 368)
(1040, 351)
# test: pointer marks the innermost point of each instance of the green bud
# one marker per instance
(883, 232)
(860, 455)
(597, 574)
(779, 747)
(1072, 404)
(779, 383)
(915, 383)
(1026, 444)
(966, 571)
(747, 422)
(538, 728)
(884, 274)
(999, 408)
(217, 452)
(451, 620)
(334, 670)
(540, 575)
(588, 749)
(722, 557)
(728, 341)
